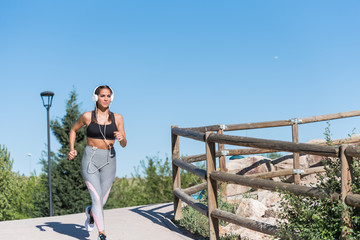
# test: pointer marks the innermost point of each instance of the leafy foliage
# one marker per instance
(310, 218)
(152, 185)
(15, 190)
(198, 224)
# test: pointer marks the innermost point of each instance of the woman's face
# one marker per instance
(104, 97)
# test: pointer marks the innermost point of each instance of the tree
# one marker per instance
(15, 190)
(70, 194)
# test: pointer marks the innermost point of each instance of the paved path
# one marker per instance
(150, 222)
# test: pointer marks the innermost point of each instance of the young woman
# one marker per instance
(98, 163)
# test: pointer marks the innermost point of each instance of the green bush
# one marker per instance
(310, 218)
(151, 183)
(198, 224)
(15, 191)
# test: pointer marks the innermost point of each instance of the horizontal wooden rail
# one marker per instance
(271, 185)
(328, 117)
(194, 158)
(245, 126)
(245, 222)
(211, 128)
(250, 151)
(195, 189)
(191, 202)
(190, 167)
(229, 152)
(279, 123)
(285, 172)
(275, 144)
(196, 135)
(352, 151)
(353, 200)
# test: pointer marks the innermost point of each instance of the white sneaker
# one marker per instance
(89, 222)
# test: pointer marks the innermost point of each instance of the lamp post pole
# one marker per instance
(49, 164)
(47, 100)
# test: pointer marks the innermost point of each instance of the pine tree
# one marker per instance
(69, 191)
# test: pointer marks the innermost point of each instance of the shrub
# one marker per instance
(153, 184)
(198, 224)
(310, 218)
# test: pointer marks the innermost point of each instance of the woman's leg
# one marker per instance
(92, 159)
(107, 176)
(94, 186)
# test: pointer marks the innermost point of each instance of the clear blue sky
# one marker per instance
(186, 63)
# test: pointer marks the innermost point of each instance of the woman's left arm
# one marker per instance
(120, 133)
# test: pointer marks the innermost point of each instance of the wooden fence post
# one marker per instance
(212, 188)
(296, 159)
(345, 188)
(222, 161)
(222, 158)
(176, 174)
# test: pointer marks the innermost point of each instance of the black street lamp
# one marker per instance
(47, 97)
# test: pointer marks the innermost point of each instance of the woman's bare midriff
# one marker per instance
(99, 143)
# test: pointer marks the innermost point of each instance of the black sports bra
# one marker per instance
(94, 130)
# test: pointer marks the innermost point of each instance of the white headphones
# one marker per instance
(95, 97)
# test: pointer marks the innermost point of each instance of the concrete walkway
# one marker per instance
(143, 222)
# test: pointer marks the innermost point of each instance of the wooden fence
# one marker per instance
(212, 135)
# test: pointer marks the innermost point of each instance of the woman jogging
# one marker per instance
(98, 163)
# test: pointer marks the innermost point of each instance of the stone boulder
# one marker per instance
(251, 208)
(306, 161)
(286, 162)
(246, 166)
(262, 206)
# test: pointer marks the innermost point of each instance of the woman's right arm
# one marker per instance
(72, 136)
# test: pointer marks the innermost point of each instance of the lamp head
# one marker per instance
(47, 97)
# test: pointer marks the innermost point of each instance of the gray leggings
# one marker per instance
(98, 169)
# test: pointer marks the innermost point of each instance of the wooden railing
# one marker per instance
(207, 135)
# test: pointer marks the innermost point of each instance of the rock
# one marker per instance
(262, 206)
(234, 191)
(269, 199)
(317, 141)
(244, 233)
(306, 161)
(245, 166)
(314, 160)
(249, 165)
(286, 162)
(251, 208)
(270, 213)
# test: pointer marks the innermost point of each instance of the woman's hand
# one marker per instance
(72, 154)
(119, 136)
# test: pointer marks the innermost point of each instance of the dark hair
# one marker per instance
(97, 91)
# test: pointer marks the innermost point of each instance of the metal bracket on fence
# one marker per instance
(299, 171)
(224, 152)
(222, 126)
(296, 120)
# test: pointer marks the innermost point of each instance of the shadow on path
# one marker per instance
(73, 230)
(163, 219)
(152, 214)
